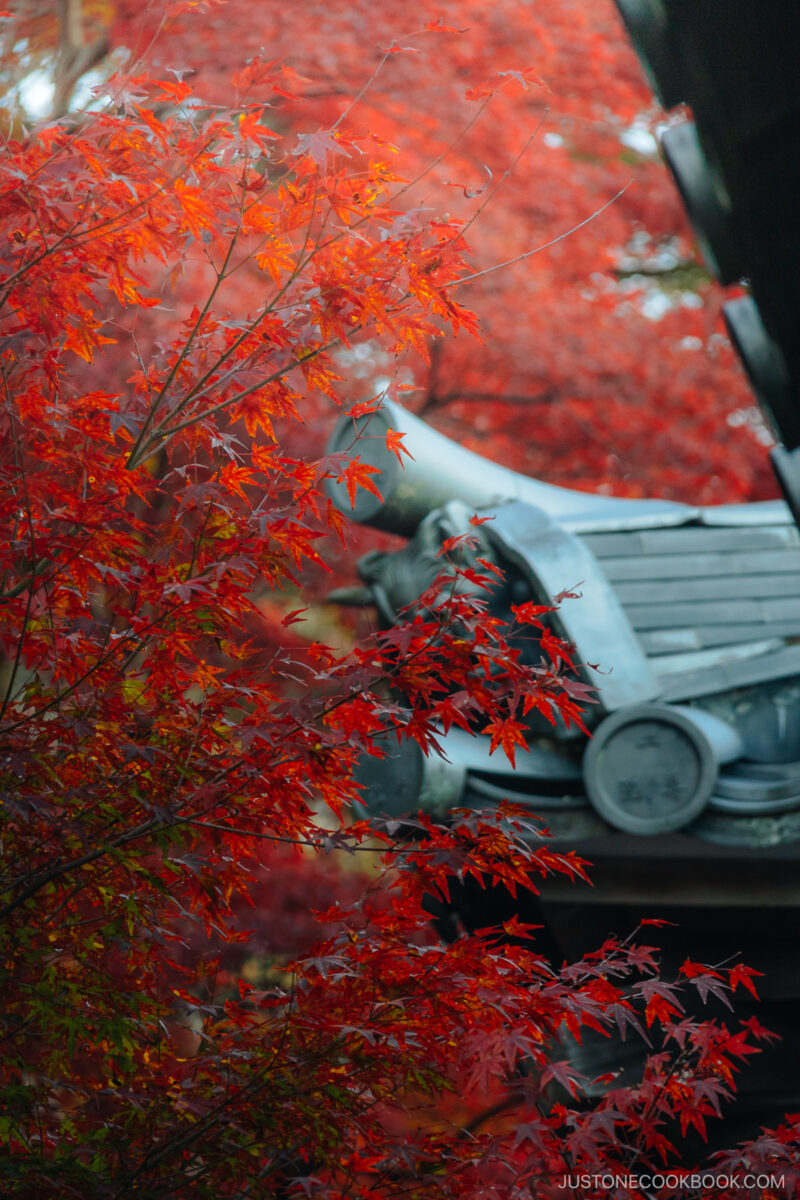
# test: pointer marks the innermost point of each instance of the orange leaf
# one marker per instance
(508, 734)
(660, 1009)
(394, 442)
(82, 340)
(356, 475)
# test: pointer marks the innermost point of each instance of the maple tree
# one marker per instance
(160, 765)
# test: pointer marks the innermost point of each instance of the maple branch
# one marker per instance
(162, 432)
(312, 843)
(114, 223)
(38, 567)
(132, 457)
(157, 824)
(510, 262)
(140, 644)
(197, 389)
(31, 533)
(42, 878)
(434, 163)
(506, 174)
(506, 1104)
(393, 48)
(181, 1141)
(363, 90)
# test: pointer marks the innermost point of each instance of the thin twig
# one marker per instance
(510, 262)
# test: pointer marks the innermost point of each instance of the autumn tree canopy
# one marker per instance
(608, 338)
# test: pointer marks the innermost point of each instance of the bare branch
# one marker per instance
(74, 56)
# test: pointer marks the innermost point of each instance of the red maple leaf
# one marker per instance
(508, 734)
